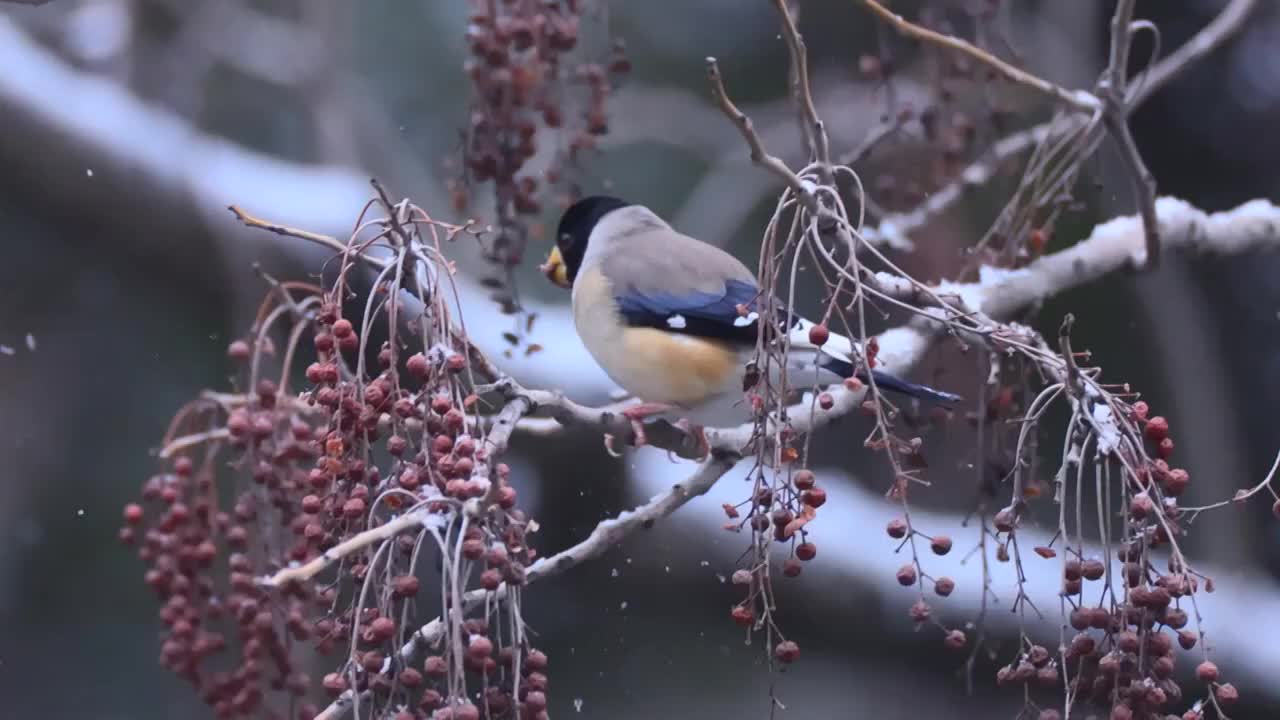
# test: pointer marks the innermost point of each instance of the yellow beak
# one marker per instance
(555, 269)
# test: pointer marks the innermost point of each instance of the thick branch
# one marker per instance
(1120, 243)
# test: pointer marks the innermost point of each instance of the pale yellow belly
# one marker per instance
(653, 365)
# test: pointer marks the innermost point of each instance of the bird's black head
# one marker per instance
(576, 225)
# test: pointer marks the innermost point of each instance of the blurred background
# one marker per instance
(127, 127)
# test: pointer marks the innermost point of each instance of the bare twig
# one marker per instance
(1113, 88)
(1241, 495)
(816, 130)
(758, 154)
(327, 241)
(1226, 24)
(1080, 100)
(894, 230)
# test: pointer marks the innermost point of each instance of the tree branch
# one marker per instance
(759, 155)
(606, 534)
(1080, 100)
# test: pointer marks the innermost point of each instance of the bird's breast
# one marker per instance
(652, 364)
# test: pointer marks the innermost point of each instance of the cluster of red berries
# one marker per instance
(306, 476)
(521, 81)
(782, 514)
(202, 558)
(1124, 655)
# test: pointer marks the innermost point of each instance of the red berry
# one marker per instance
(907, 575)
(1185, 639)
(133, 513)
(435, 666)
(1176, 481)
(410, 678)
(787, 651)
(1166, 449)
(315, 373)
(353, 508)
(920, 611)
(239, 351)
(1005, 520)
(1081, 618)
(1207, 672)
(955, 640)
(506, 497)
(1141, 506)
(806, 551)
(1157, 429)
(941, 545)
(897, 528)
(382, 629)
(536, 661)
(818, 335)
(803, 479)
(742, 615)
(418, 366)
(479, 647)
(405, 586)
(342, 328)
(1140, 410)
(814, 497)
(944, 586)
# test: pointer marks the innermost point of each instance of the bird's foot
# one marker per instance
(699, 435)
(635, 415)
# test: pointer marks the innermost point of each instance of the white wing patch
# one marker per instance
(676, 322)
(745, 320)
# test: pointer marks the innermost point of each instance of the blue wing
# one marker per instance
(704, 314)
(716, 316)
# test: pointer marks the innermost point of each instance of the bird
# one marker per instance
(674, 321)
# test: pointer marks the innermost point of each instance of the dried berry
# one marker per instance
(920, 611)
(818, 335)
(787, 651)
(907, 575)
(1157, 429)
(941, 545)
(944, 586)
(814, 497)
(1207, 672)
(897, 528)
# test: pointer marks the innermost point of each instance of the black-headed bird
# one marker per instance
(674, 321)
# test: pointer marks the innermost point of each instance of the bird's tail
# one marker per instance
(835, 357)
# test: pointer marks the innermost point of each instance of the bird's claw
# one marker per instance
(699, 436)
(608, 446)
(637, 427)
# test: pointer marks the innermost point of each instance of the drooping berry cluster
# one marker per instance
(284, 522)
(523, 80)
